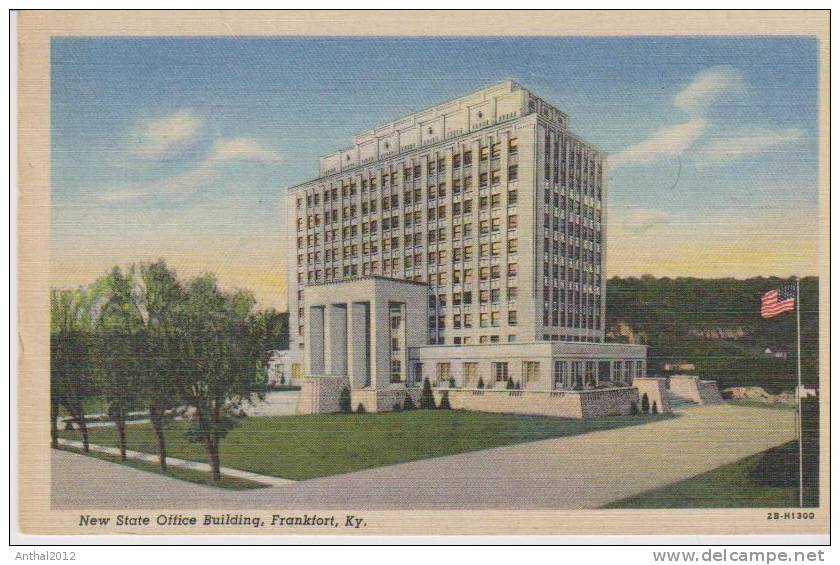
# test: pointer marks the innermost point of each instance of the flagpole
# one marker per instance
(799, 391)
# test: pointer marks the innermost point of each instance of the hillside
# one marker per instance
(715, 324)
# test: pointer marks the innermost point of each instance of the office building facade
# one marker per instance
(489, 199)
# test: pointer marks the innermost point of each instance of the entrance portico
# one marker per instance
(362, 329)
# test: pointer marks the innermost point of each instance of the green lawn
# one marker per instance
(730, 486)
(304, 447)
(765, 480)
(189, 475)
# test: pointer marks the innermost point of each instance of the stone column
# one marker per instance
(358, 344)
(335, 339)
(314, 352)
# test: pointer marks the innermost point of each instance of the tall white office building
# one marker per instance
(489, 198)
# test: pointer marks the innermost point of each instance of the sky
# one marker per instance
(182, 148)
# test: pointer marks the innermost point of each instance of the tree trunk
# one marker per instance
(54, 424)
(213, 451)
(120, 423)
(157, 423)
(83, 428)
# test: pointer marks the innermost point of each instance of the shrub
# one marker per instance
(427, 399)
(360, 409)
(408, 403)
(634, 410)
(509, 384)
(645, 404)
(451, 382)
(444, 401)
(282, 379)
(480, 383)
(397, 407)
(518, 385)
(654, 409)
(344, 402)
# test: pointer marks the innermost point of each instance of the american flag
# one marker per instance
(777, 301)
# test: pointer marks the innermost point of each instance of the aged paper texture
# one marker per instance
(354, 273)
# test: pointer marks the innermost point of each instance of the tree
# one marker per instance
(345, 404)
(480, 383)
(654, 409)
(159, 297)
(116, 349)
(509, 384)
(427, 399)
(71, 381)
(408, 403)
(220, 349)
(444, 401)
(645, 404)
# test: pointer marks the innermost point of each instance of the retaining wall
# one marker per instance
(319, 395)
(692, 388)
(561, 404)
(655, 388)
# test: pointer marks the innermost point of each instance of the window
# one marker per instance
(512, 318)
(531, 371)
(396, 370)
(560, 375)
(500, 371)
(513, 146)
(513, 173)
(442, 372)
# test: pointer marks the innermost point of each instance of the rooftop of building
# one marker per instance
(482, 108)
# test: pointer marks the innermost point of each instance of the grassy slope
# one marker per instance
(303, 447)
(765, 480)
(729, 486)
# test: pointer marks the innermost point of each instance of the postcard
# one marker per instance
(422, 273)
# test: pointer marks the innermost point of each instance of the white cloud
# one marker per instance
(162, 137)
(665, 142)
(705, 89)
(242, 149)
(746, 142)
(709, 86)
(238, 150)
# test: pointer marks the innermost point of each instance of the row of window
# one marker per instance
(485, 202)
(389, 178)
(564, 374)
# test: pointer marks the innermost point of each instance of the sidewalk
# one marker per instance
(181, 463)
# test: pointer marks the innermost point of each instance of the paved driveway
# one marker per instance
(584, 471)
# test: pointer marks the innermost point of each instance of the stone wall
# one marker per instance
(655, 388)
(685, 387)
(692, 388)
(383, 400)
(319, 395)
(709, 393)
(561, 404)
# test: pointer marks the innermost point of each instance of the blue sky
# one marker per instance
(182, 148)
